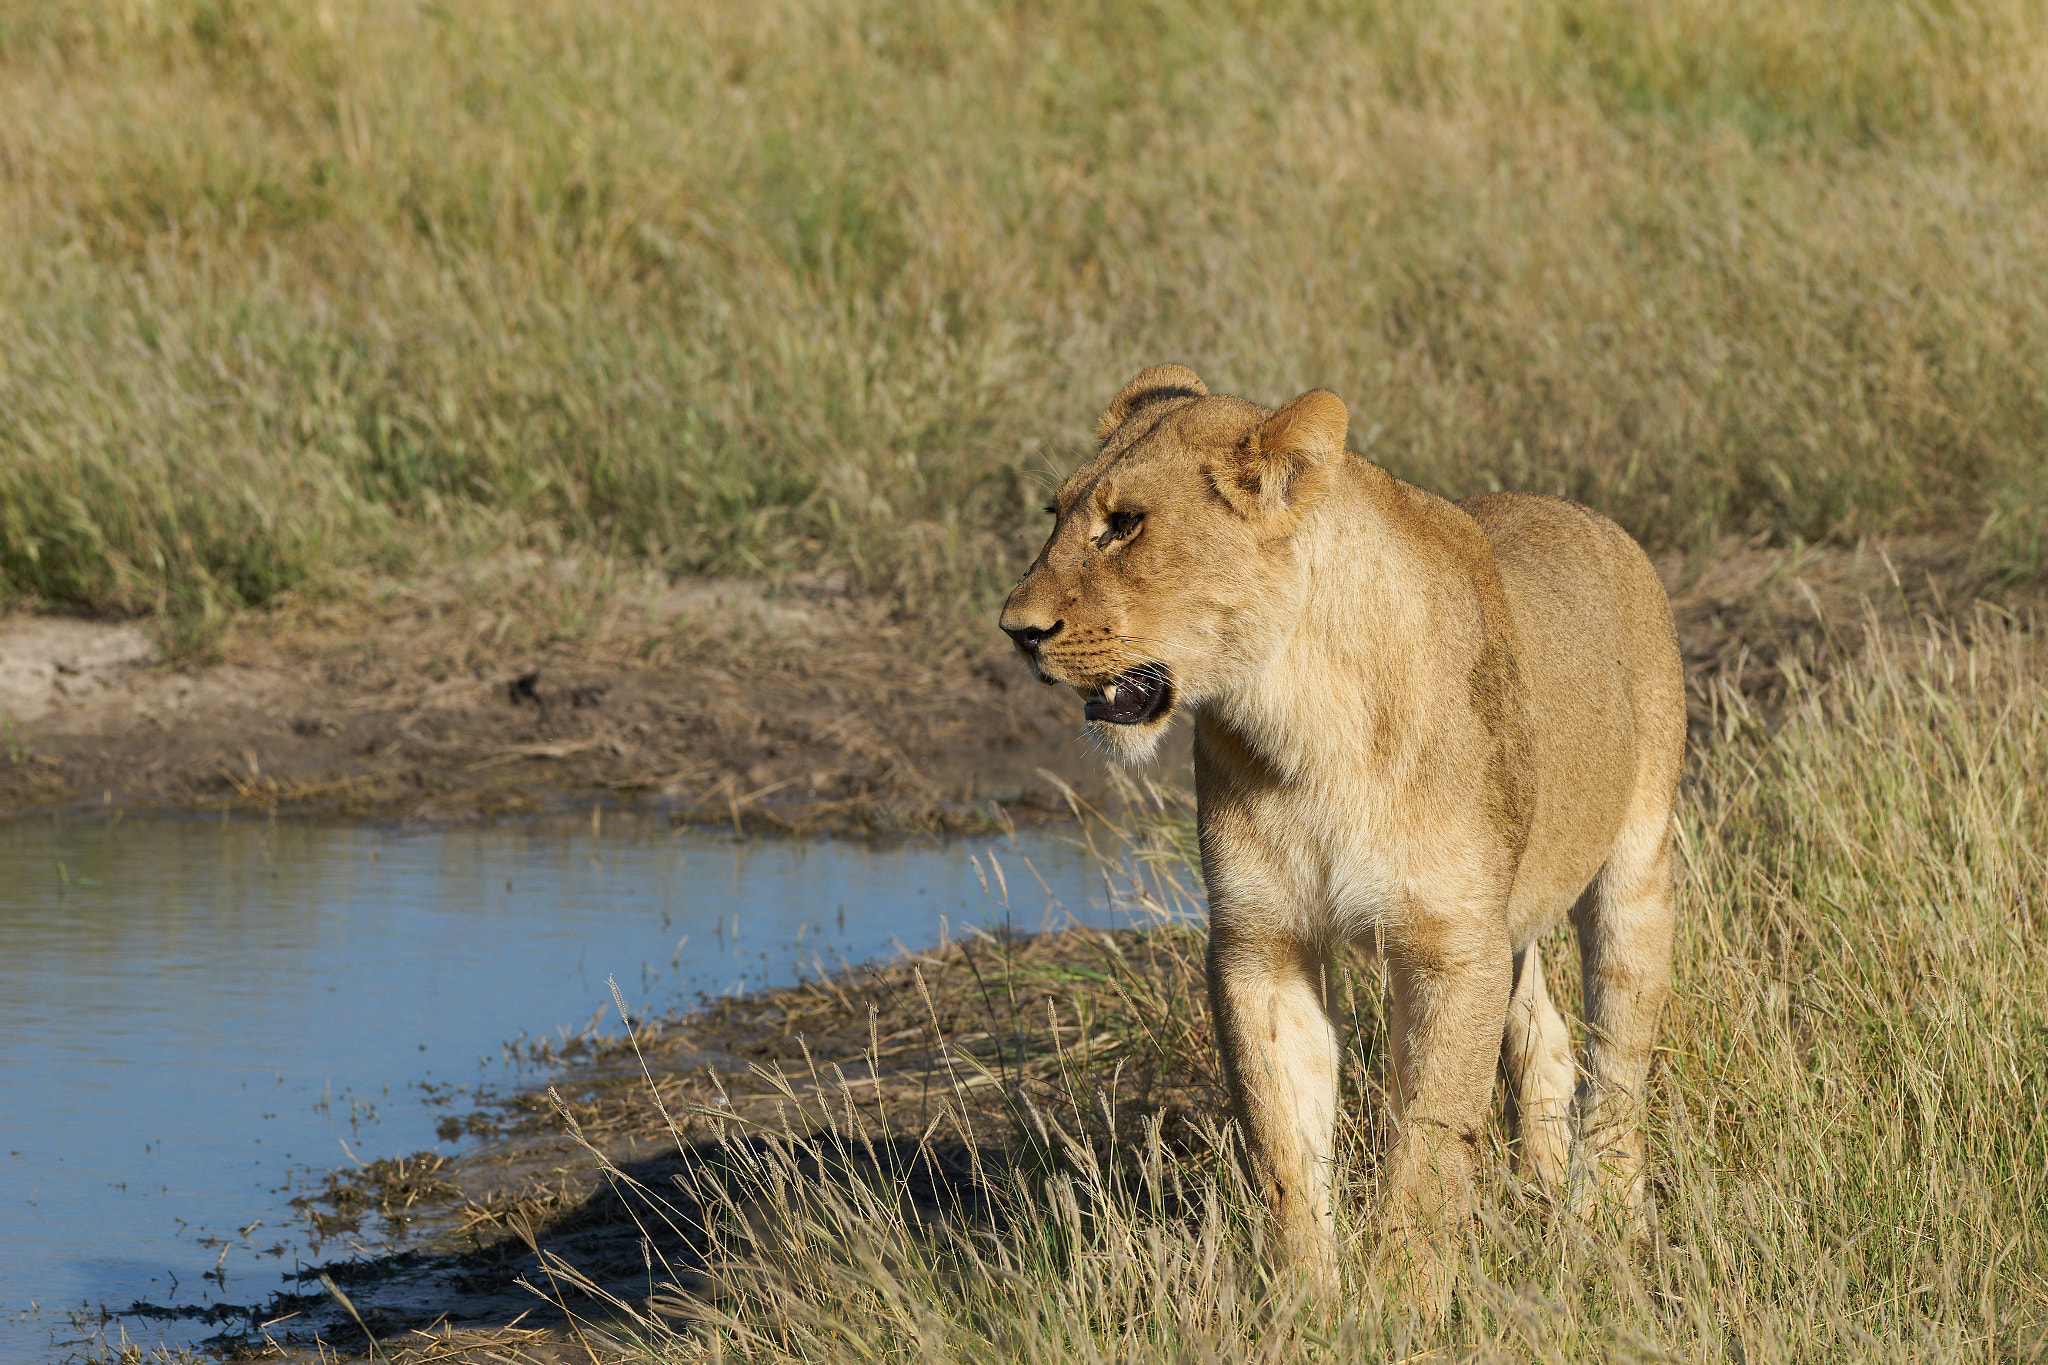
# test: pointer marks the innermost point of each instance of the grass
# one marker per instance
(1849, 1112)
(299, 294)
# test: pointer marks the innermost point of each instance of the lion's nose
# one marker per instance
(1029, 638)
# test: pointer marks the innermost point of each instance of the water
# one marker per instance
(198, 1018)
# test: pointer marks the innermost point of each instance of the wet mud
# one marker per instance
(724, 703)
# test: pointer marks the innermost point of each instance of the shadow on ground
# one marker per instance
(644, 1242)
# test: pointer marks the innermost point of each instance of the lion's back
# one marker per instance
(1600, 657)
(1585, 581)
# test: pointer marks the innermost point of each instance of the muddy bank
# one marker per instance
(792, 709)
(532, 685)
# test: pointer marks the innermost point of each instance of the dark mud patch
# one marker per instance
(793, 709)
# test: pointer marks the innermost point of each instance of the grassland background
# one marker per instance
(291, 294)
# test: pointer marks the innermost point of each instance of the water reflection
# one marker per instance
(195, 1018)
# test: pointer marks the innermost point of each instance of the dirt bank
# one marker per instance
(789, 708)
(534, 685)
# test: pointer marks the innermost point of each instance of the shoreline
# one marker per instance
(565, 1187)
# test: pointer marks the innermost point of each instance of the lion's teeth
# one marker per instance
(1109, 694)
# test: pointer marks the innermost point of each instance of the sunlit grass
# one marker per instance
(1849, 1110)
(294, 292)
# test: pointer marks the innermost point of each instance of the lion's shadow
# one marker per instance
(655, 1232)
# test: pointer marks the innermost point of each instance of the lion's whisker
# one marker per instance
(1163, 644)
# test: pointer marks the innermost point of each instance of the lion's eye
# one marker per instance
(1052, 509)
(1122, 526)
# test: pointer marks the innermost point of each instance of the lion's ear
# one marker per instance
(1154, 385)
(1284, 463)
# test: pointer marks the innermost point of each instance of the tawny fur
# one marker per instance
(1438, 727)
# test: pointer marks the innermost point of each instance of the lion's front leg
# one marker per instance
(1451, 984)
(1269, 997)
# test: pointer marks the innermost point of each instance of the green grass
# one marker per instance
(1849, 1109)
(297, 293)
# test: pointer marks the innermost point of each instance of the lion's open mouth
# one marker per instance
(1135, 696)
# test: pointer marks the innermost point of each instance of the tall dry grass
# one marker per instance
(293, 291)
(1848, 1114)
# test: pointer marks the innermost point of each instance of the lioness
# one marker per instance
(1438, 725)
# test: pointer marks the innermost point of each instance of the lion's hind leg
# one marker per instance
(1624, 921)
(1540, 1075)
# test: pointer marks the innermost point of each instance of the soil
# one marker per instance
(524, 688)
(719, 701)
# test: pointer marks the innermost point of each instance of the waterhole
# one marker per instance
(198, 1019)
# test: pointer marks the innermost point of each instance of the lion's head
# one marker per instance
(1172, 559)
